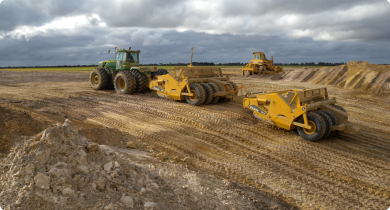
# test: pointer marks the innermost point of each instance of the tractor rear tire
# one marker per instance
(215, 89)
(339, 108)
(328, 123)
(334, 122)
(100, 79)
(199, 95)
(125, 83)
(140, 80)
(162, 72)
(146, 81)
(209, 93)
(318, 127)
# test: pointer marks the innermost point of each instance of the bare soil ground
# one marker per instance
(270, 167)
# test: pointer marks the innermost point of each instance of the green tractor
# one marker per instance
(124, 74)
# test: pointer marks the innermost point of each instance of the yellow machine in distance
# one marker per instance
(260, 65)
(311, 112)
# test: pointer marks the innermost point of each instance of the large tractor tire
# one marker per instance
(339, 108)
(159, 73)
(100, 79)
(328, 123)
(318, 127)
(162, 72)
(199, 95)
(146, 82)
(215, 89)
(334, 120)
(209, 93)
(125, 83)
(140, 80)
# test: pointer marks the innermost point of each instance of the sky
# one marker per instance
(72, 32)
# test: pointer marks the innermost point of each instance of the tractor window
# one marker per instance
(132, 57)
(119, 57)
(257, 57)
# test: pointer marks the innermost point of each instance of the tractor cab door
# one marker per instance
(120, 60)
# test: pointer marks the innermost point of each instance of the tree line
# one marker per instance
(193, 63)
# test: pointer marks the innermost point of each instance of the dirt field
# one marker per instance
(271, 167)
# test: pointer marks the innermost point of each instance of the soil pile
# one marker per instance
(356, 75)
(14, 126)
(59, 169)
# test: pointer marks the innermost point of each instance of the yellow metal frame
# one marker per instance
(175, 85)
(281, 113)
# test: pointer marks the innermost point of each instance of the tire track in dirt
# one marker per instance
(344, 172)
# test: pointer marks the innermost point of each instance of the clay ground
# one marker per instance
(268, 165)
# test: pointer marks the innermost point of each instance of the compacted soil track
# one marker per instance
(269, 165)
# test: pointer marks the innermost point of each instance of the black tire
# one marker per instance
(199, 97)
(318, 127)
(209, 93)
(125, 83)
(224, 99)
(162, 72)
(153, 74)
(235, 87)
(334, 122)
(146, 81)
(328, 123)
(140, 80)
(100, 79)
(111, 82)
(215, 89)
(339, 108)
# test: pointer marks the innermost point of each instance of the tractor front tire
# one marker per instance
(100, 79)
(199, 95)
(318, 127)
(125, 83)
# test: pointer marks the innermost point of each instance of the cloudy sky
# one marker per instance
(71, 32)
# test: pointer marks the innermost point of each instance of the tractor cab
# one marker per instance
(126, 59)
(259, 56)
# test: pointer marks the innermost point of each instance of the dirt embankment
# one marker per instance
(60, 169)
(356, 75)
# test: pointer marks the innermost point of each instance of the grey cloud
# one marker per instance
(220, 30)
(90, 48)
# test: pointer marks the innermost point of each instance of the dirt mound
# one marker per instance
(59, 169)
(14, 126)
(356, 75)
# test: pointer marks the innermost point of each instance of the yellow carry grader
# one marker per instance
(260, 65)
(196, 85)
(310, 111)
